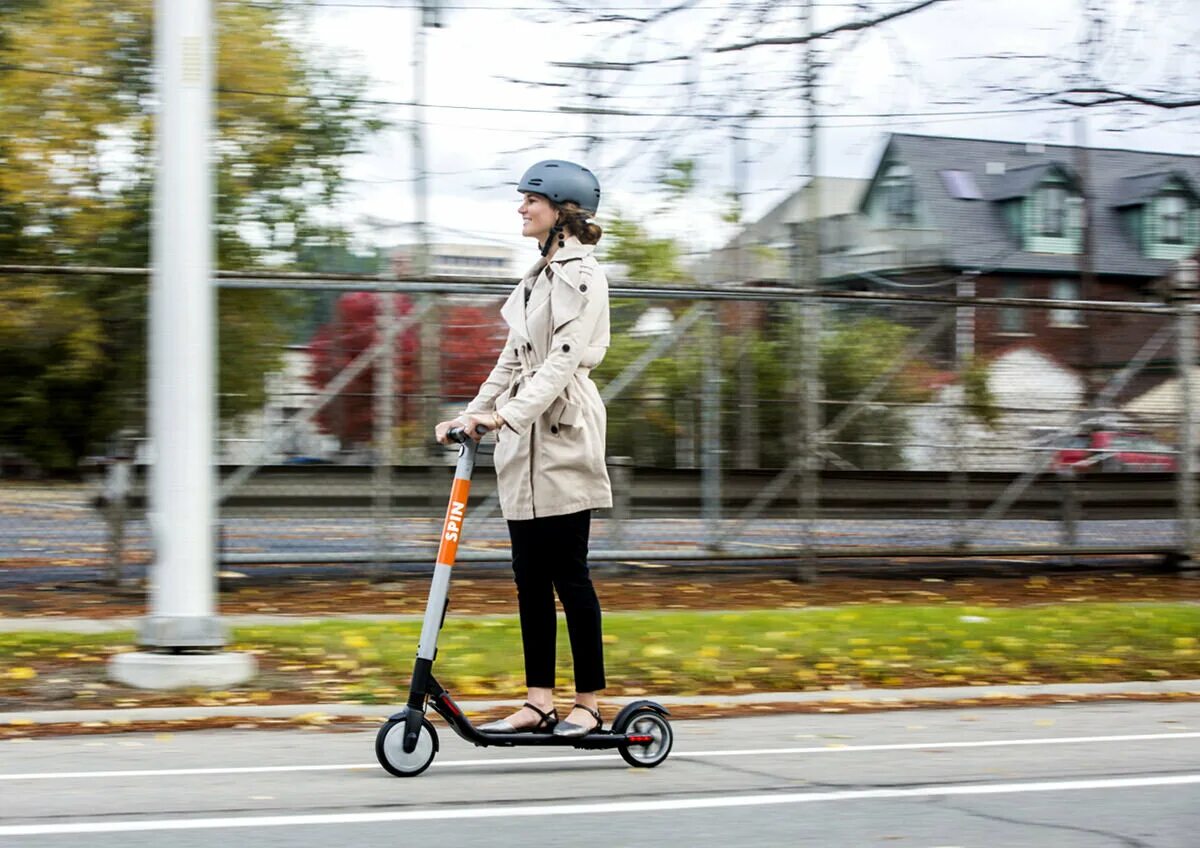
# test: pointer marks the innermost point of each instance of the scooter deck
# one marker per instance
(597, 740)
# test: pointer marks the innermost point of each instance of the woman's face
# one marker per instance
(537, 216)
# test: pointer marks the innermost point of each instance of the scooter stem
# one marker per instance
(439, 590)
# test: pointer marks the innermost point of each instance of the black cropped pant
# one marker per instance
(549, 555)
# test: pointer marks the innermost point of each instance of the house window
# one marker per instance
(1012, 318)
(1054, 211)
(899, 202)
(1065, 290)
(1174, 209)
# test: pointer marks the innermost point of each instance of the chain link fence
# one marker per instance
(745, 424)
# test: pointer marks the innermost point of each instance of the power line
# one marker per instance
(409, 6)
(620, 113)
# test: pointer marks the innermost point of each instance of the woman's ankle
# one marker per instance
(541, 698)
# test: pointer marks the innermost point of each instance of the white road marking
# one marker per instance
(511, 761)
(518, 811)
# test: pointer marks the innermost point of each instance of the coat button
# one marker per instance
(583, 288)
(554, 429)
(566, 348)
(527, 345)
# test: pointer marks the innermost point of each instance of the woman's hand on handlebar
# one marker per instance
(475, 425)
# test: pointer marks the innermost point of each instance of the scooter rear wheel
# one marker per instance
(389, 749)
(652, 724)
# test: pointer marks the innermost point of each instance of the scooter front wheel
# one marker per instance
(647, 754)
(389, 748)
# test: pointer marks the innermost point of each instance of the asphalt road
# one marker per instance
(1078, 776)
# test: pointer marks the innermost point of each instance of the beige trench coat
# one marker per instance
(550, 453)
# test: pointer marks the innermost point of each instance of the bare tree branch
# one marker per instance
(849, 26)
(1104, 96)
(657, 16)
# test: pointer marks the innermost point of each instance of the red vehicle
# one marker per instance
(1116, 450)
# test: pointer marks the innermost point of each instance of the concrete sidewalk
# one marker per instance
(884, 697)
(94, 626)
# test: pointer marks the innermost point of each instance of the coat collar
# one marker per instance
(516, 307)
(572, 248)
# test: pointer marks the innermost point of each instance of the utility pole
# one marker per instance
(429, 13)
(430, 332)
(592, 138)
(182, 635)
(592, 141)
(810, 366)
(1087, 279)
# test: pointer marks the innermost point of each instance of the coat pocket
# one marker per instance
(564, 412)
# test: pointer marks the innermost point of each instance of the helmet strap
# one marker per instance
(555, 231)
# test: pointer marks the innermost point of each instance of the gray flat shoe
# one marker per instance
(573, 730)
(548, 721)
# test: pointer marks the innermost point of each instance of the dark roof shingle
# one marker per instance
(975, 231)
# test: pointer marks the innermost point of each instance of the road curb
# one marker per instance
(979, 694)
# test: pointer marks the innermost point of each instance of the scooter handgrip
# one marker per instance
(459, 434)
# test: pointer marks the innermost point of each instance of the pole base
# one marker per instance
(180, 631)
(181, 671)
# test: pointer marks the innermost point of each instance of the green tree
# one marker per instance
(76, 100)
(853, 355)
(643, 421)
(645, 258)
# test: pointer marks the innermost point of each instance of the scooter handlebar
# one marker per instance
(459, 434)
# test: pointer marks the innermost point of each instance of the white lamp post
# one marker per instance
(182, 635)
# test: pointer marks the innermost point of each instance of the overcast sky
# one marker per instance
(926, 73)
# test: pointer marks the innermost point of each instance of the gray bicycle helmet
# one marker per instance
(563, 181)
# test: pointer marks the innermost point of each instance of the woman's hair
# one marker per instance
(575, 221)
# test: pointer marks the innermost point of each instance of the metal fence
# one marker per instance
(745, 423)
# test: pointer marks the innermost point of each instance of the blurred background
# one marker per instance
(888, 277)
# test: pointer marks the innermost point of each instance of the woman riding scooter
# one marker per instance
(550, 441)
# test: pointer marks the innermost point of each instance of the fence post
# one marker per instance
(810, 481)
(118, 481)
(1184, 290)
(430, 405)
(710, 433)
(964, 359)
(1070, 512)
(621, 474)
(384, 387)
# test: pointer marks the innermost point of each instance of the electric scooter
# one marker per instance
(407, 742)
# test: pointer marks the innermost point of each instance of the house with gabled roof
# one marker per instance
(761, 250)
(1010, 217)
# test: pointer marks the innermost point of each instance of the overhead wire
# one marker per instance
(404, 5)
(370, 101)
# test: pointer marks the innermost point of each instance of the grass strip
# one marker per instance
(683, 652)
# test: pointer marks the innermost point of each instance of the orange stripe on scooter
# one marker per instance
(456, 513)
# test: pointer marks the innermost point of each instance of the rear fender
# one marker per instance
(622, 719)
